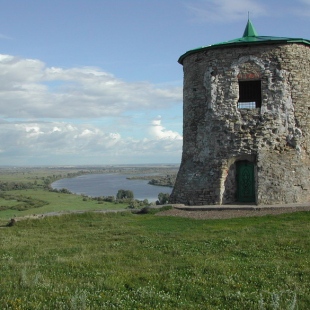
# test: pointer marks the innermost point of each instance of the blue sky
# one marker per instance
(97, 81)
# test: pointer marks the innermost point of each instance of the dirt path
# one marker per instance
(195, 214)
(226, 214)
(57, 213)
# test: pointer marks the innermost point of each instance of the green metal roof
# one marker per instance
(249, 30)
(249, 37)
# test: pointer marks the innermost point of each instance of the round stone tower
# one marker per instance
(246, 123)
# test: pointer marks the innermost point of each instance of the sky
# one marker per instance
(97, 82)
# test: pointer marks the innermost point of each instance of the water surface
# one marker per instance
(95, 185)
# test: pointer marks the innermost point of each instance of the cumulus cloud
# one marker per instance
(157, 131)
(56, 114)
(30, 89)
(60, 139)
(224, 10)
(57, 138)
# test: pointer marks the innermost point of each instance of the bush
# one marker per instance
(134, 203)
(150, 210)
(9, 186)
(61, 190)
(109, 199)
(23, 202)
(163, 198)
(124, 194)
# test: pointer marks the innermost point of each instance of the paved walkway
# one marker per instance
(239, 207)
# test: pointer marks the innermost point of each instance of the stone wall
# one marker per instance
(217, 134)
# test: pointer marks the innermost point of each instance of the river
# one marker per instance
(95, 185)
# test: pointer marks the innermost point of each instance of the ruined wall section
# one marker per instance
(216, 133)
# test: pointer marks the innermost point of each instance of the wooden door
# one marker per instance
(245, 181)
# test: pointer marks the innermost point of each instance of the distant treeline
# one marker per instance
(158, 180)
(10, 186)
(168, 180)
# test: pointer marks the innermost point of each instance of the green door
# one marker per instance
(245, 181)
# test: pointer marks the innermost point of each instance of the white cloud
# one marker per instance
(56, 115)
(33, 131)
(55, 129)
(225, 10)
(28, 89)
(56, 141)
(157, 131)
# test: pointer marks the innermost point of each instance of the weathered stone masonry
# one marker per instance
(217, 134)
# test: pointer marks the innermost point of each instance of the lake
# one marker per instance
(95, 185)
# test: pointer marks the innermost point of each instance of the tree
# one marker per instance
(124, 194)
(163, 198)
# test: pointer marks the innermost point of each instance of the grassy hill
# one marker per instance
(25, 191)
(131, 261)
(143, 261)
(51, 202)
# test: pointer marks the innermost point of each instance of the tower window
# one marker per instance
(250, 96)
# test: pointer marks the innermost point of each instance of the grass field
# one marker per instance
(38, 199)
(55, 202)
(130, 261)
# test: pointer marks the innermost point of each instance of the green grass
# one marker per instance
(37, 199)
(144, 261)
(127, 261)
(54, 202)
(32, 175)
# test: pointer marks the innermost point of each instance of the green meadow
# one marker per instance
(26, 192)
(132, 261)
(145, 261)
(51, 202)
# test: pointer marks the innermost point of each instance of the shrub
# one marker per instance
(163, 198)
(150, 210)
(123, 194)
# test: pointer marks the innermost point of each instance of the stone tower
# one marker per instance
(246, 123)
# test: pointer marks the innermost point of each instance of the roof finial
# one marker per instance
(249, 30)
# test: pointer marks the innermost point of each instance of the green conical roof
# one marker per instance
(249, 30)
(249, 37)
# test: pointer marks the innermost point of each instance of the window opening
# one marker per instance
(250, 96)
